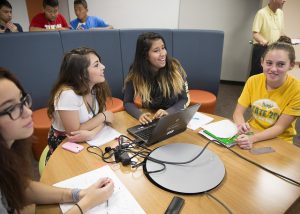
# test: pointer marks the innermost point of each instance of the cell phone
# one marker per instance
(175, 205)
(72, 147)
(262, 150)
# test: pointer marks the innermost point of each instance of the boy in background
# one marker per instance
(85, 22)
(50, 19)
(6, 26)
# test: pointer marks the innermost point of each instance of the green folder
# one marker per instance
(226, 141)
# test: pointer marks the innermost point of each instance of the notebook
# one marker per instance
(165, 127)
(223, 131)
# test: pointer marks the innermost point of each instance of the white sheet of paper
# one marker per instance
(295, 41)
(120, 202)
(199, 120)
(222, 128)
(104, 136)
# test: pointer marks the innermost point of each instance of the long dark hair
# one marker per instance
(170, 77)
(74, 74)
(15, 169)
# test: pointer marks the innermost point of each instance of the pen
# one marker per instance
(107, 206)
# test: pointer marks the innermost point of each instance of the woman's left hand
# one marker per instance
(81, 135)
(160, 113)
(244, 141)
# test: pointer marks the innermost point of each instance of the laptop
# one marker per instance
(165, 127)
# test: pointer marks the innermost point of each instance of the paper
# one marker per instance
(199, 120)
(295, 41)
(222, 129)
(104, 136)
(120, 202)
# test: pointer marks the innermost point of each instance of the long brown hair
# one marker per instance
(74, 75)
(15, 169)
(170, 78)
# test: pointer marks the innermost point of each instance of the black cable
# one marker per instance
(102, 156)
(219, 201)
(262, 167)
(184, 162)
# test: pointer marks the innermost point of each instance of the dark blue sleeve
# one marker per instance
(20, 29)
(128, 100)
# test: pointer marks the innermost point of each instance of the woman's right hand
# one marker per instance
(145, 118)
(96, 194)
(243, 128)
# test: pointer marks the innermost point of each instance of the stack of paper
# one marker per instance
(120, 202)
(199, 120)
(223, 131)
(104, 136)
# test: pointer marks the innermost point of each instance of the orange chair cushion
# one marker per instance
(114, 104)
(138, 102)
(207, 100)
(41, 126)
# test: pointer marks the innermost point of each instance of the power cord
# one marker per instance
(291, 181)
(163, 162)
(121, 152)
(219, 201)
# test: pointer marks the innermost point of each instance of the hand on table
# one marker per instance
(244, 141)
(97, 193)
(81, 136)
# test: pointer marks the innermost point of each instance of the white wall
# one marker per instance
(19, 13)
(134, 13)
(235, 18)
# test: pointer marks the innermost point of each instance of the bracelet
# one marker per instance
(104, 116)
(75, 195)
(79, 208)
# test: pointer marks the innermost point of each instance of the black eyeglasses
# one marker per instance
(16, 110)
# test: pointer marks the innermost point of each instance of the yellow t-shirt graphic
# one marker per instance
(266, 112)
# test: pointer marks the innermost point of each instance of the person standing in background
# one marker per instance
(50, 19)
(267, 27)
(85, 22)
(6, 26)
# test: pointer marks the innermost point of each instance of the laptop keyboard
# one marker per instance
(146, 133)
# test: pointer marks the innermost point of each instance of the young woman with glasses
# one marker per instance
(16, 187)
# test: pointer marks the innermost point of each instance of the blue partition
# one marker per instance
(107, 45)
(35, 59)
(128, 43)
(200, 53)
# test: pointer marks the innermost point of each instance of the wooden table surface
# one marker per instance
(245, 188)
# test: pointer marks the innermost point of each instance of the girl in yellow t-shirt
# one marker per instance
(274, 97)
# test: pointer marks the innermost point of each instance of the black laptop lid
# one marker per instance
(171, 125)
